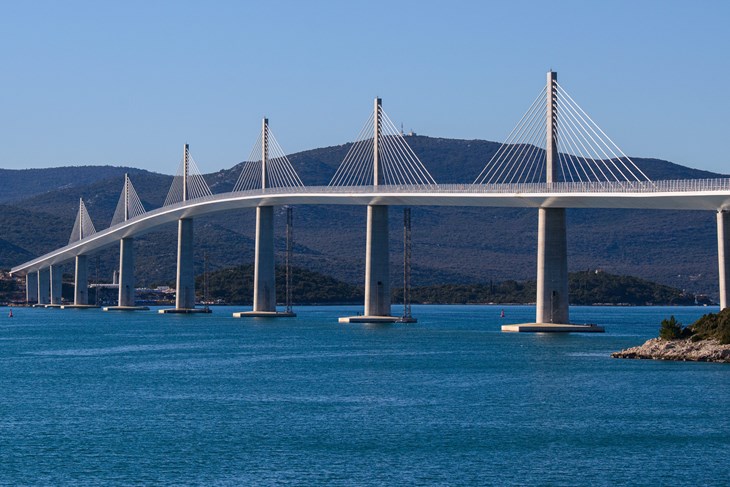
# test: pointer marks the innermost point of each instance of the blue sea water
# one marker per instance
(94, 398)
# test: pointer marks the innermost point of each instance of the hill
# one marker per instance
(450, 245)
(24, 183)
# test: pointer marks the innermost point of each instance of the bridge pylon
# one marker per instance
(185, 280)
(264, 274)
(552, 305)
(552, 248)
(377, 252)
(128, 207)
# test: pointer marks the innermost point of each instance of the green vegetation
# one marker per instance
(235, 286)
(672, 329)
(586, 288)
(590, 287)
(713, 325)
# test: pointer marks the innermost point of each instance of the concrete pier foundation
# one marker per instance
(56, 276)
(31, 288)
(126, 278)
(723, 253)
(44, 286)
(552, 267)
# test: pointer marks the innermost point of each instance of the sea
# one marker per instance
(100, 398)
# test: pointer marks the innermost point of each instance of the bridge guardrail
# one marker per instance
(662, 186)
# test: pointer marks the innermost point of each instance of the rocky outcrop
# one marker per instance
(683, 350)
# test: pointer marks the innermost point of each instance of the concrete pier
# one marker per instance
(44, 286)
(185, 282)
(126, 278)
(264, 274)
(377, 263)
(81, 281)
(723, 255)
(264, 279)
(552, 267)
(81, 285)
(126, 272)
(377, 270)
(56, 277)
(31, 288)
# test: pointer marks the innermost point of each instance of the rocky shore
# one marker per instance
(683, 350)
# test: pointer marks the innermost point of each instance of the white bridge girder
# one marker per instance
(468, 197)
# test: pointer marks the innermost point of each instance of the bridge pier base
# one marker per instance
(44, 287)
(185, 282)
(31, 288)
(723, 254)
(377, 270)
(552, 279)
(126, 278)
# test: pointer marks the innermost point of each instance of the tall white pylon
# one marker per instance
(188, 183)
(83, 227)
(129, 204)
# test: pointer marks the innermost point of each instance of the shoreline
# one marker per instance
(682, 350)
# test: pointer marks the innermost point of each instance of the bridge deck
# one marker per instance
(711, 195)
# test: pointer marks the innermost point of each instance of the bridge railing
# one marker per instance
(663, 186)
(633, 187)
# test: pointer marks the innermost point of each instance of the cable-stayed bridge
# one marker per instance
(555, 158)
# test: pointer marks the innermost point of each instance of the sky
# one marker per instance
(129, 82)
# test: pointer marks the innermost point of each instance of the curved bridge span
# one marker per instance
(713, 194)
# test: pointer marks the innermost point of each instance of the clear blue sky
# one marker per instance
(128, 82)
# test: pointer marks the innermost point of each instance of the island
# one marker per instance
(706, 340)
